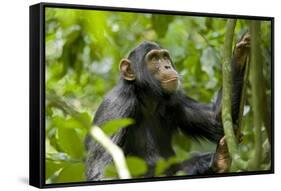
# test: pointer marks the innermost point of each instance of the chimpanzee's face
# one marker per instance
(159, 64)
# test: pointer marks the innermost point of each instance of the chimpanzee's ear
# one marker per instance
(126, 71)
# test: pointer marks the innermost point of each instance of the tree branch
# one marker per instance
(115, 151)
(227, 95)
(256, 79)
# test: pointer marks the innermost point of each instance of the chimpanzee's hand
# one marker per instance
(222, 159)
(242, 50)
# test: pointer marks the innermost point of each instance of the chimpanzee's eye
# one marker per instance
(155, 58)
(166, 56)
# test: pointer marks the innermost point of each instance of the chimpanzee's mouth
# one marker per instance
(170, 80)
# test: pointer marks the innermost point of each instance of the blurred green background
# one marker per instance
(83, 50)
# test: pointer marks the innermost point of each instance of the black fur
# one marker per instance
(157, 116)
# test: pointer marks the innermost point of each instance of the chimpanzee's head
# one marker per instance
(150, 66)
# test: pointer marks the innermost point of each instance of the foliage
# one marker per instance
(113, 126)
(83, 49)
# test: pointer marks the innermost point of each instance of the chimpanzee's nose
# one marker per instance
(167, 67)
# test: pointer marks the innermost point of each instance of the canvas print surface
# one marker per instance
(133, 95)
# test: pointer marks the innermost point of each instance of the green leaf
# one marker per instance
(72, 173)
(81, 121)
(114, 125)
(163, 164)
(70, 142)
(52, 167)
(85, 119)
(136, 166)
(110, 171)
(161, 23)
(61, 122)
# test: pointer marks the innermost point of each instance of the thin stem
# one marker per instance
(115, 151)
(226, 97)
(256, 82)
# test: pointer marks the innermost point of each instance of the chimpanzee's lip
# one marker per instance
(170, 80)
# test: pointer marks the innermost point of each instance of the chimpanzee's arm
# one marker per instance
(240, 57)
(200, 120)
(204, 163)
(117, 104)
(198, 164)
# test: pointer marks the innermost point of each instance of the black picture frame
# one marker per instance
(37, 93)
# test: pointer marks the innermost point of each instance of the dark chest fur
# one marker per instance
(151, 136)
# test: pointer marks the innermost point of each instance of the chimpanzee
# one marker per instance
(149, 92)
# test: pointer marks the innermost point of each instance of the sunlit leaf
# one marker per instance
(110, 172)
(72, 173)
(70, 142)
(162, 165)
(52, 167)
(114, 125)
(136, 166)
